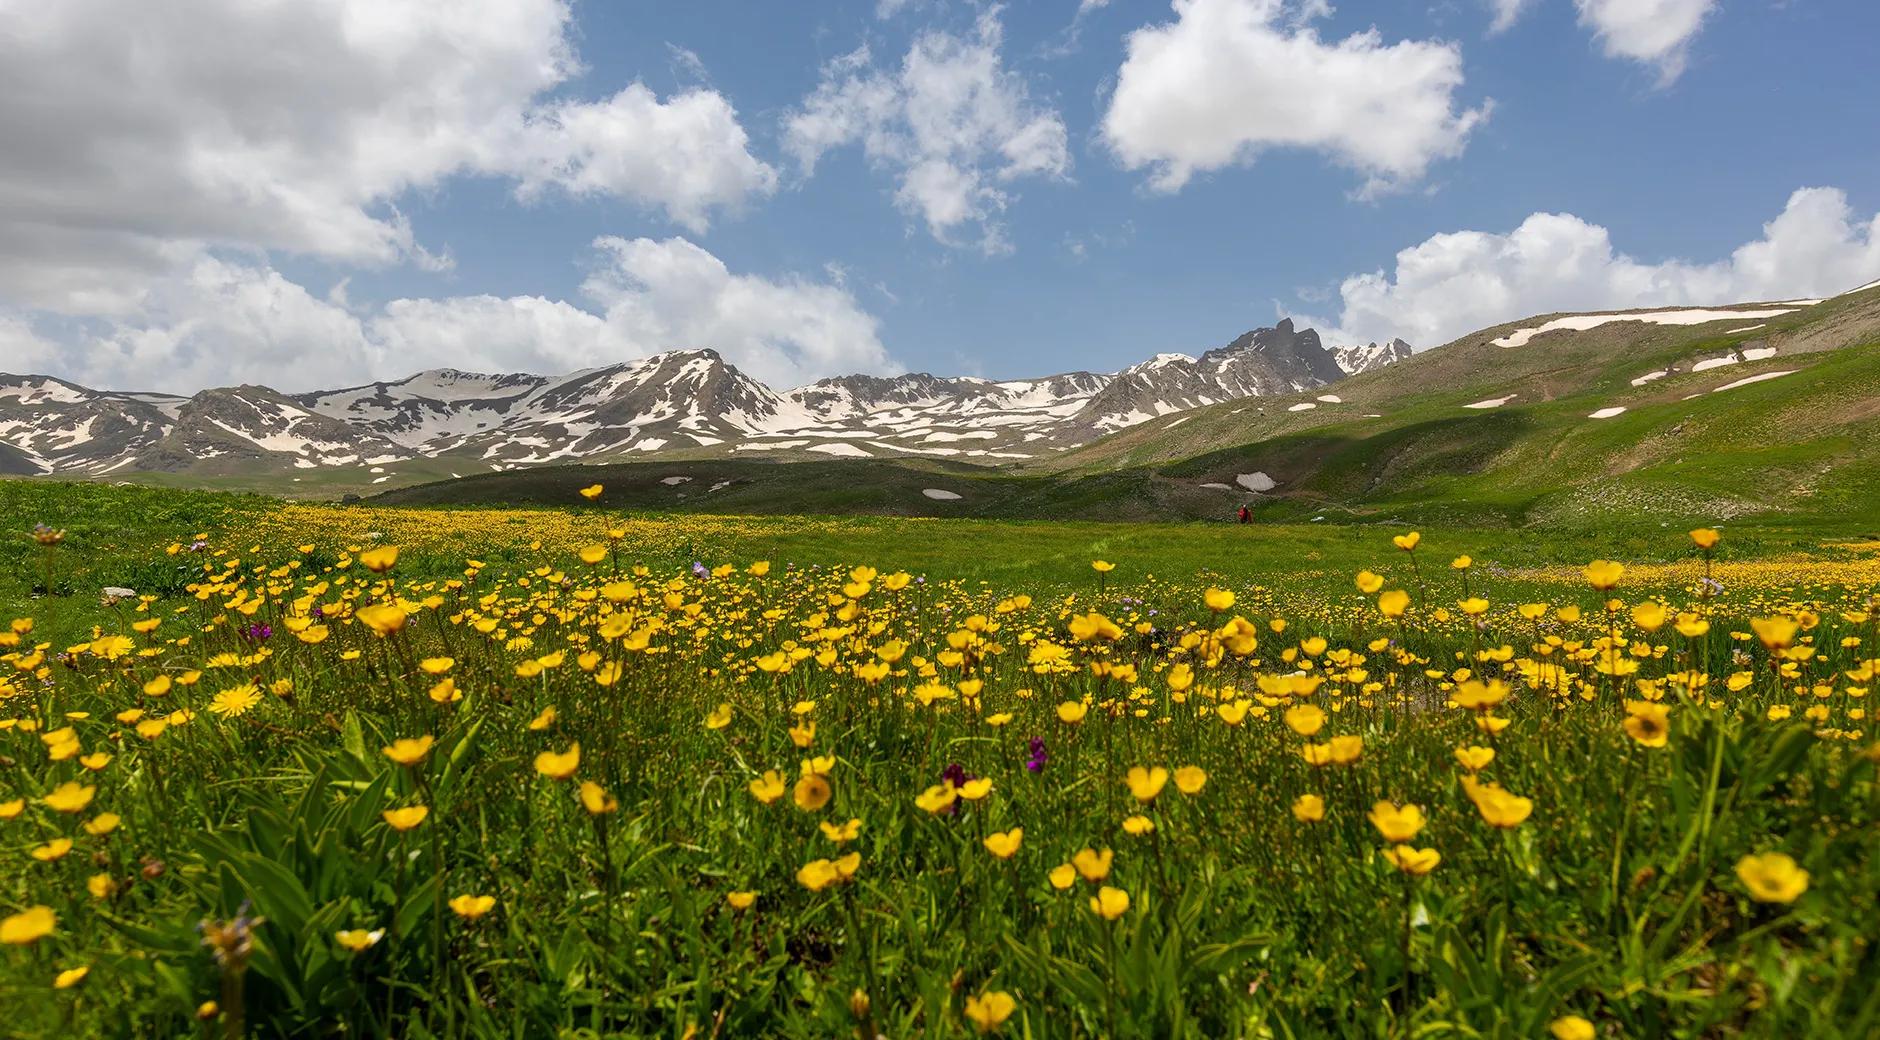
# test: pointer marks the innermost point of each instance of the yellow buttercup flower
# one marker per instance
(1648, 723)
(1603, 574)
(1093, 865)
(938, 798)
(988, 1011)
(358, 940)
(812, 792)
(1109, 903)
(70, 797)
(1476, 695)
(1190, 779)
(592, 492)
(1501, 809)
(405, 819)
(1649, 615)
(409, 751)
(1218, 599)
(720, 716)
(379, 560)
(840, 833)
(740, 900)
(471, 907)
(1062, 876)
(53, 850)
(1308, 808)
(1413, 861)
(767, 788)
(1772, 877)
(1305, 719)
(1146, 784)
(1776, 633)
(28, 926)
(1571, 1027)
(595, 799)
(1397, 824)
(382, 618)
(1004, 844)
(1474, 758)
(70, 977)
(559, 765)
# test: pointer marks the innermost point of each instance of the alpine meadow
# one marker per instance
(409, 631)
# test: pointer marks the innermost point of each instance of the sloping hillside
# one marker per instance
(1770, 410)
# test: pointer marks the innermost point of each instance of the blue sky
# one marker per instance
(1671, 138)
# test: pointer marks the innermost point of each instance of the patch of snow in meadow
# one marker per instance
(1493, 402)
(940, 494)
(839, 448)
(1607, 413)
(1583, 322)
(1759, 377)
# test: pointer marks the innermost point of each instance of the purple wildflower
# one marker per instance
(1038, 755)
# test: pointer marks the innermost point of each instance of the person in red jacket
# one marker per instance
(1246, 515)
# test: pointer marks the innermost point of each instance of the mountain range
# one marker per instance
(1574, 422)
(685, 403)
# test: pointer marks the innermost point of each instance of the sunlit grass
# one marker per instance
(406, 773)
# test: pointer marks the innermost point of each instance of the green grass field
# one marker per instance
(537, 774)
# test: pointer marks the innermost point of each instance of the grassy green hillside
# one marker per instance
(1790, 436)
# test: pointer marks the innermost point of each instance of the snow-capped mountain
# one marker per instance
(1354, 360)
(689, 401)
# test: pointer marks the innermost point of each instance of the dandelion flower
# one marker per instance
(235, 701)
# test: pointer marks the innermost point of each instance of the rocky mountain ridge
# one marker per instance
(690, 401)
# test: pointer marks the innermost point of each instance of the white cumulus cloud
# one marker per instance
(221, 321)
(137, 133)
(953, 125)
(1506, 13)
(1653, 32)
(1455, 283)
(1229, 79)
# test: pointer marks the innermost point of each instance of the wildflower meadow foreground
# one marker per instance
(328, 787)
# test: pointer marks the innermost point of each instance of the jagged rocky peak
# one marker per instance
(1371, 356)
(683, 399)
